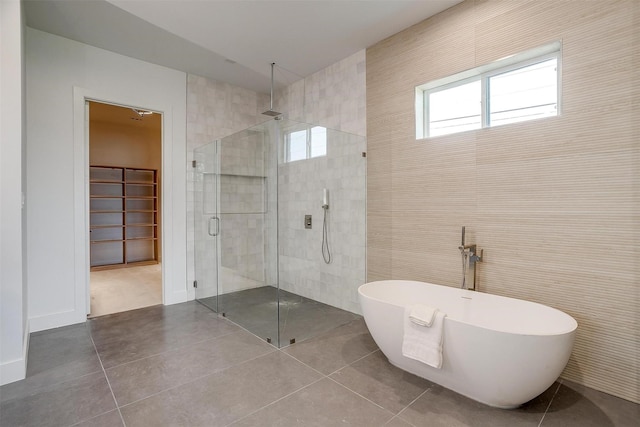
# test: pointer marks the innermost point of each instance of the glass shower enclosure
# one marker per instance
(258, 258)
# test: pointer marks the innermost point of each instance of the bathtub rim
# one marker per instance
(565, 331)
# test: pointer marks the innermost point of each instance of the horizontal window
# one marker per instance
(515, 89)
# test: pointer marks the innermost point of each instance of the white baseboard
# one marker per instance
(176, 297)
(57, 320)
(16, 370)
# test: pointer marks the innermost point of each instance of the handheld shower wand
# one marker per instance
(326, 253)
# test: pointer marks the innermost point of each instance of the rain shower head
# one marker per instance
(270, 111)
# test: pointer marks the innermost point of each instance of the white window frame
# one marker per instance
(287, 143)
(484, 73)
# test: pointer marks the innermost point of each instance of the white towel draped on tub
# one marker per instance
(423, 343)
(422, 315)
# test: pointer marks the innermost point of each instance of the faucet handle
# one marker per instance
(475, 257)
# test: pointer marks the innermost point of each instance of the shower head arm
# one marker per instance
(270, 111)
(271, 96)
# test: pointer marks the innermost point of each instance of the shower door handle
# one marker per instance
(210, 229)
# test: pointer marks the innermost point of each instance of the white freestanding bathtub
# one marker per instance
(499, 351)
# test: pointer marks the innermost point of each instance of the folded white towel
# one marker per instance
(422, 315)
(424, 344)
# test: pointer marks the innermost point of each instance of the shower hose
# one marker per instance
(465, 266)
(326, 253)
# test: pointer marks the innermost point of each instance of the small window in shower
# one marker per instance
(301, 144)
(297, 145)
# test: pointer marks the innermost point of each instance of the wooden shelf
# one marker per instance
(130, 264)
(113, 191)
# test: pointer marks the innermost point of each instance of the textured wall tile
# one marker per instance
(553, 202)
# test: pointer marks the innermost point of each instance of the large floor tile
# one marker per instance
(142, 378)
(335, 349)
(324, 403)
(132, 335)
(376, 379)
(55, 356)
(440, 407)
(303, 318)
(576, 405)
(300, 318)
(61, 405)
(223, 397)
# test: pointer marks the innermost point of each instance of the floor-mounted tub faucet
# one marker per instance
(470, 257)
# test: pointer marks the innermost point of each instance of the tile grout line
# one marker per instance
(411, 403)
(243, 328)
(223, 319)
(323, 376)
(275, 401)
(332, 372)
(301, 362)
(196, 379)
(328, 376)
(550, 402)
(107, 379)
(92, 418)
(175, 349)
(365, 398)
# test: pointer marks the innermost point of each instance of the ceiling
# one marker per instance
(123, 116)
(232, 41)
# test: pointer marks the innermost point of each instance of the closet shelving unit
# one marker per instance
(123, 211)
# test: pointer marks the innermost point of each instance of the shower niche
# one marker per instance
(255, 263)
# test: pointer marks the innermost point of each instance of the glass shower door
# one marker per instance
(207, 224)
(246, 294)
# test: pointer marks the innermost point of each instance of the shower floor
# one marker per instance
(256, 310)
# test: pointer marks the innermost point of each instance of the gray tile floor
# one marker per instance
(182, 365)
(300, 318)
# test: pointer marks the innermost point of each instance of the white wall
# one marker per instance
(60, 74)
(13, 293)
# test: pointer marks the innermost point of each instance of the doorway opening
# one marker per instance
(125, 178)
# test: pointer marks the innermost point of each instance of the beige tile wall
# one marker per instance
(554, 203)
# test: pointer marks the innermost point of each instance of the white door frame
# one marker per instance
(81, 192)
